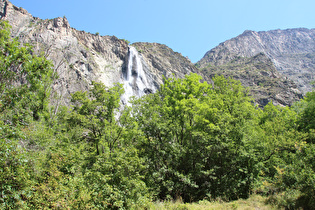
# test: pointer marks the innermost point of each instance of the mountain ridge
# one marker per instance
(80, 57)
(292, 52)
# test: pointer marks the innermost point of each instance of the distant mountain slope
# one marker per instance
(265, 62)
(259, 75)
(292, 52)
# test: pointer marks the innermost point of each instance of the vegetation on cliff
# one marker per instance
(291, 51)
(259, 75)
(190, 140)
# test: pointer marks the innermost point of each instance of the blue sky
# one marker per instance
(191, 27)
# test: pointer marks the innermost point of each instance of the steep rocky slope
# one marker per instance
(162, 60)
(265, 62)
(291, 51)
(81, 57)
(258, 74)
(78, 57)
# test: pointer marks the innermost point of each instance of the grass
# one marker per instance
(254, 202)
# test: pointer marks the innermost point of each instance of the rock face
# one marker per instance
(163, 61)
(81, 57)
(78, 57)
(291, 51)
(259, 75)
(275, 65)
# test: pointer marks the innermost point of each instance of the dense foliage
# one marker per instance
(189, 140)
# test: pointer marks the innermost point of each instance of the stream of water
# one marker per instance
(134, 78)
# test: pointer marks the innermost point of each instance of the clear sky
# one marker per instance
(191, 27)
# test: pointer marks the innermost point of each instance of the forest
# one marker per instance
(190, 140)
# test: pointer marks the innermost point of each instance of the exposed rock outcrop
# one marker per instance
(259, 75)
(81, 57)
(78, 57)
(292, 52)
(163, 61)
(275, 65)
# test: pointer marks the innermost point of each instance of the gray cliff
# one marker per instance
(80, 57)
(274, 65)
(291, 51)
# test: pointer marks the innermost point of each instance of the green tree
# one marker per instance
(96, 113)
(25, 79)
(25, 84)
(196, 138)
(306, 110)
(112, 170)
(14, 169)
(288, 172)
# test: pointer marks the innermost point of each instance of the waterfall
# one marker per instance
(135, 80)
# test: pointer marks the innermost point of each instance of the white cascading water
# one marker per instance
(134, 79)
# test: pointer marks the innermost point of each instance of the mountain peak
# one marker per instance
(268, 60)
(292, 52)
(80, 57)
(61, 22)
(247, 32)
(6, 6)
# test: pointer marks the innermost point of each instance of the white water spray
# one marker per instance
(134, 79)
